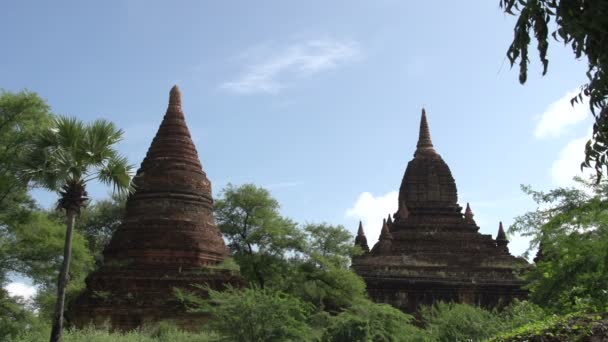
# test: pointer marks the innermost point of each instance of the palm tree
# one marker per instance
(64, 159)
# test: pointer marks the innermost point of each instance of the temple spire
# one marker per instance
(389, 220)
(425, 144)
(501, 238)
(385, 234)
(468, 214)
(360, 239)
(175, 97)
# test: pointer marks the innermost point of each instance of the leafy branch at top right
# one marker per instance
(582, 25)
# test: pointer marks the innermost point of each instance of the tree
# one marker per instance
(253, 314)
(259, 237)
(321, 274)
(582, 25)
(22, 116)
(571, 230)
(65, 159)
(368, 321)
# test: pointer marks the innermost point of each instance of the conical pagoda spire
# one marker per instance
(360, 239)
(501, 239)
(172, 190)
(175, 97)
(468, 214)
(173, 143)
(425, 144)
(389, 220)
(385, 234)
(501, 232)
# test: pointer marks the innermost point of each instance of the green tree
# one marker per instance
(321, 273)
(22, 116)
(447, 322)
(368, 321)
(254, 314)
(571, 229)
(259, 237)
(65, 159)
(580, 24)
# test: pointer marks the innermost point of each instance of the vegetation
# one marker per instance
(580, 24)
(64, 159)
(301, 287)
(571, 230)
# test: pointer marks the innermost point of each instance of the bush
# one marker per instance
(452, 322)
(160, 333)
(253, 314)
(367, 321)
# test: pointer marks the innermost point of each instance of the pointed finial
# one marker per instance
(385, 234)
(389, 220)
(501, 232)
(501, 238)
(468, 213)
(360, 239)
(175, 97)
(425, 144)
(360, 231)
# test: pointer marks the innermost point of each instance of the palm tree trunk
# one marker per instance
(63, 278)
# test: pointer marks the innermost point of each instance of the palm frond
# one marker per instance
(117, 173)
(100, 139)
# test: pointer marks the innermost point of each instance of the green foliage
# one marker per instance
(254, 315)
(572, 231)
(367, 321)
(452, 322)
(570, 327)
(320, 275)
(580, 24)
(157, 333)
(14, 317)
(326, 285)
(259, 237)
(72, 152)
(23, 115)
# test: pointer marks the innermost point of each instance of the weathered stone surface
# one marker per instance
(432, 251)
(168, 238)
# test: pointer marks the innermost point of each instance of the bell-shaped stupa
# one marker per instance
(167, 240)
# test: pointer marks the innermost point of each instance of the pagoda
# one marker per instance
(167, 240)
(430, 251)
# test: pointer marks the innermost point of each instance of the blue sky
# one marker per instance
(317, 101)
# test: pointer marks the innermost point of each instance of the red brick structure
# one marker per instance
(168, 239)
(432, 251)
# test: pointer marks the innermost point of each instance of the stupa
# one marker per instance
(168, 239)
(430, 251)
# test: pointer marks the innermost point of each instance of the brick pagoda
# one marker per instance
(430, 251)
(168, 239)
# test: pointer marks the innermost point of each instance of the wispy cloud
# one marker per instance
(293, 62)
(560, 115)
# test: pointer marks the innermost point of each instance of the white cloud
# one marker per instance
(560, 115)
(371, 210)
(18, 289)
(568, 164)
(295, 61)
